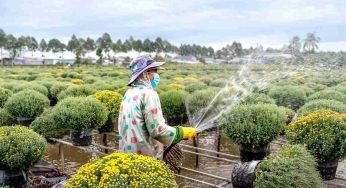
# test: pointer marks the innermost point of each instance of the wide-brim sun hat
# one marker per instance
(141, 64)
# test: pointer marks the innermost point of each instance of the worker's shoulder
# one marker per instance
(144, 91)
(149, 92)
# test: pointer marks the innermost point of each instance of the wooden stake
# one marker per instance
(218, 136)
(195, 144)
(62, 157)
(104, 142)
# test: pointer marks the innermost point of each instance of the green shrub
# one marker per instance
(74, 75)
(323, 132)
(289, 114)
(122, 90)
(286, 82)
(162, 88)
(123, 170)
(36, 87)
(4, 95)
(63, 79)
(288, 96)
(8, 85)
(90, 79)
(48, 84)
(322, 104)
(263, 90)
(315, 86)
(293, 166)
(26, 104)
(80, 113)
(195, 86)
(173, 106)
(308, 91)
(6, 119)
(199, 100)
(20, 147)
(57, 88)
(328, 94)
(76, 91)
(340, 88)
(256, 98)
(113, 74)
(100, 85)
(26, 77)
(218, 83)
(45, 126)
(254, 124)
(328, 81)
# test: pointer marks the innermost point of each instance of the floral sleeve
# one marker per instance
(154, 120)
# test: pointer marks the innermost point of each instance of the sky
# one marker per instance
(207, 22)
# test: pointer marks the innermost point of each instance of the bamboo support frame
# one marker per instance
(207, 174)
(210, 151)
(61, 152)
(212, 157)
(198, 181)
(225, 180)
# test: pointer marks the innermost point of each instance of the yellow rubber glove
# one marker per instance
(188, 132)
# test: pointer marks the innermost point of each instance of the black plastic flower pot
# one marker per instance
(106, 128)
(25, 121)
(53, 102)
(327, 169)
(12, 178)
(81, 138)
(243, 174)
(249, 153)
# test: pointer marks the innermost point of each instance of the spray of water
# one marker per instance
(251, 76)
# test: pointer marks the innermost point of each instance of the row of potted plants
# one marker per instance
(80, 114)
(20, 148)
(254, 126)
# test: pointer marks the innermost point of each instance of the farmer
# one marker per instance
(142, 128)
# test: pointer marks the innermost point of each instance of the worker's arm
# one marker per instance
(154, 120)
(184, 133)
(156, 125)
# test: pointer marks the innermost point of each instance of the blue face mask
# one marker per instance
(156, 80)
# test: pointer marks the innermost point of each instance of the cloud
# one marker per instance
(300, 11)
(189, 21)
(333, 46)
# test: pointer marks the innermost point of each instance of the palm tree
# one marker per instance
(294, 46)
(2, 41)
(310, 43)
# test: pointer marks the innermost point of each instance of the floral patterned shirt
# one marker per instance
(142, 128)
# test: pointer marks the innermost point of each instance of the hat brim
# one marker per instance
(152, 65)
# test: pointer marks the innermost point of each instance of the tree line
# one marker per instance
(102, 45)
(105, 44)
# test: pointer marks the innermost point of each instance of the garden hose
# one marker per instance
(173, 156)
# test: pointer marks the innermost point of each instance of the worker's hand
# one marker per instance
(188, 132)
